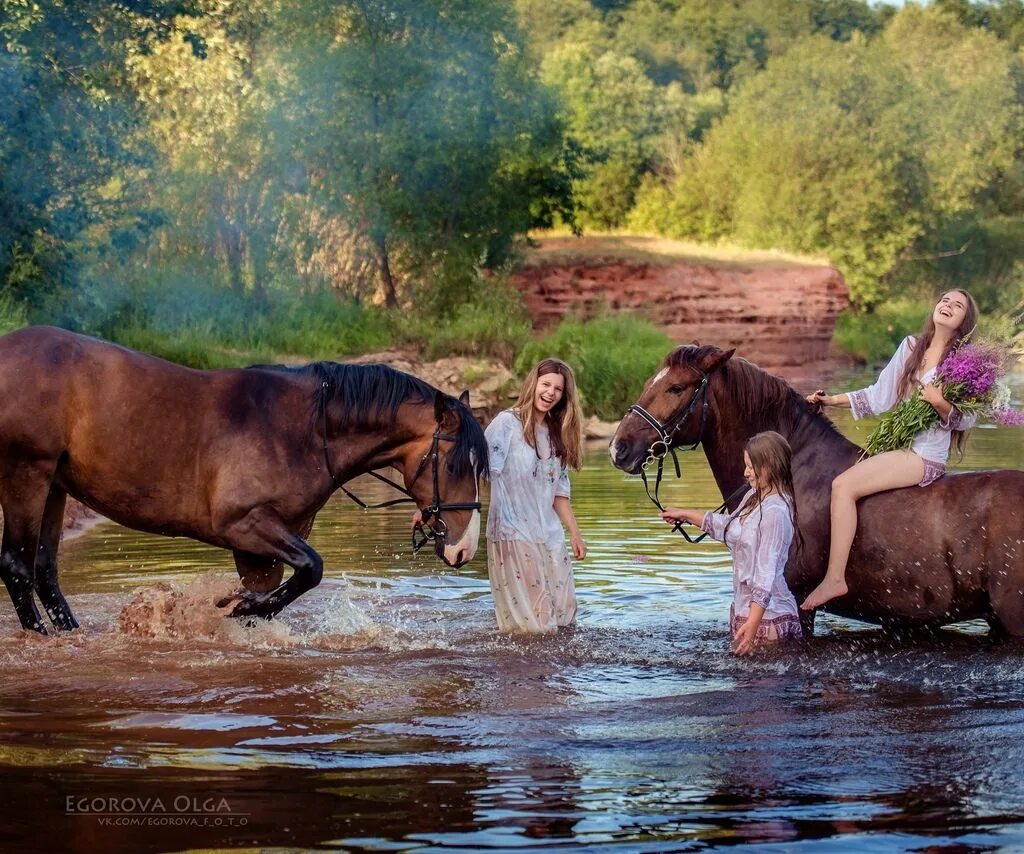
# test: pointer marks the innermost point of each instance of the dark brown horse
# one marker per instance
(241, 459)
(923, 557)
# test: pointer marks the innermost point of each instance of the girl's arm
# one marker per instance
(951, 417)
(932, 394)
(747, 635)
(822, 399)
(499, 439)
(678, 514)
(880, 397)
(563, 508)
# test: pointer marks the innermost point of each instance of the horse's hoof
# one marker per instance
(227, 600)
(249, 605)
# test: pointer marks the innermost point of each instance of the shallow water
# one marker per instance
(384, 712)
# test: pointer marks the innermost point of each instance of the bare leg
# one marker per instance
(891, 470)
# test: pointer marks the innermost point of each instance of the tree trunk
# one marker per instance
(390, 296)
(234, 252)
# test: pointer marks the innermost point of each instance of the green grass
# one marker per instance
(176, 316)
(612, 357)
(203, 326)
(492, 322)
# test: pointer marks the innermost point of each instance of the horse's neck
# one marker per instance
(819, 452)
(367, 448)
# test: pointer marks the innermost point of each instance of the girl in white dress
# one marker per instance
(531, 447)
(951, 322)
(759, 534)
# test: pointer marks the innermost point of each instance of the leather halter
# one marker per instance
(424, 531)
(665, 445)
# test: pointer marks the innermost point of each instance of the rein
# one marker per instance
(423, 531)
(663, 446)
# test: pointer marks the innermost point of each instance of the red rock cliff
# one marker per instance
(778, 315)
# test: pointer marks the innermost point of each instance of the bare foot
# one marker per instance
(824, 592)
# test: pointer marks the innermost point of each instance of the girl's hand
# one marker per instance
(417, 517)
(933, 394)
(676, 514)
(819, 398)
(746, 638)
(579, 547)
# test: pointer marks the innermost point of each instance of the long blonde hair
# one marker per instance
(565, 418)
(771, 458)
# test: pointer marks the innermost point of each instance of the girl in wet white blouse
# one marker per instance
(531, 448)
(759, 534)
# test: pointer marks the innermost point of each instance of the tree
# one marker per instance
(66, 129)
(856, 149)
(614, 111)
(218, 180)
(421, 123)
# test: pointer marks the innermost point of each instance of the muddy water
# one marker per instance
(383, 712)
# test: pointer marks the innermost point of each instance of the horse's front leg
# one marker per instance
(262, 534)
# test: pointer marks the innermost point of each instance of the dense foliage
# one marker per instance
(387, 152)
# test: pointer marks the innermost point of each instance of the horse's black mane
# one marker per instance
(767, 400)
(372, 394)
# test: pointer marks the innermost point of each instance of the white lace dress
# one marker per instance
(760, 548)
(932, 445)
(528, 565)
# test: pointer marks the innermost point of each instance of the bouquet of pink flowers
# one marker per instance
(971, 379)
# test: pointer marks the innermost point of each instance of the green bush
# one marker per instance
(13, 313)
(183, 319)
(492, 321)
(612, 357)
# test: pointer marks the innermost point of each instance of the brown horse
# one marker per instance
(241, 459)
(923, 557)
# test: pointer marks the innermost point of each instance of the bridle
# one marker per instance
(667, 431)
(665, 445)
(430, 527)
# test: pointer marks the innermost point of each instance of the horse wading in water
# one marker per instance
(241, 459)
(921, 558)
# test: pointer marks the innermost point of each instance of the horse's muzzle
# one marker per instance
(627, 456)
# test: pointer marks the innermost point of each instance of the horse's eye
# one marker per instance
(676, 389)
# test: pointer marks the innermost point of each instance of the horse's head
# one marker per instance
(442, 473)
(671, 411)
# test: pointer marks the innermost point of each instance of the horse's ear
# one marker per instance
(713, 362)
(439, 407)
(464, 397)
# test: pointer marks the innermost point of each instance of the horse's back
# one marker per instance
(55, 383)
(149, 443)
(957, 497)
(930, 555)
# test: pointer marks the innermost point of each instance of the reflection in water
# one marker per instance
(383, 712)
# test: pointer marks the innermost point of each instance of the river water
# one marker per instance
(383, 712)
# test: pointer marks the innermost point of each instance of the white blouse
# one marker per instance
(931, 444)
(760, 548)
(524, 484)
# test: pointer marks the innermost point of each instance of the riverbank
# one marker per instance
(778, 310)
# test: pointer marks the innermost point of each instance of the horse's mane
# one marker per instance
(768, 401)
(372, 395)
